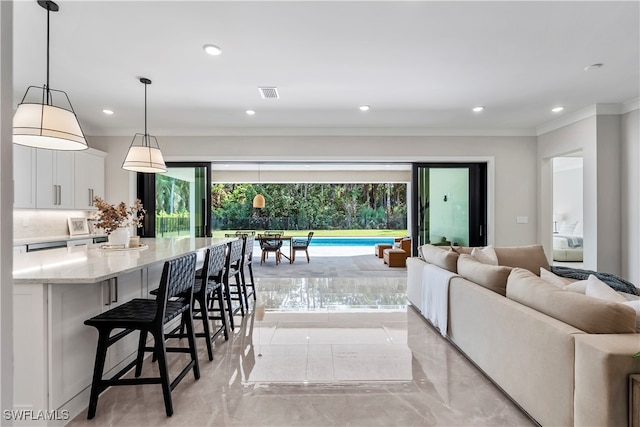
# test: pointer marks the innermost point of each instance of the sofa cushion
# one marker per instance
(529, 257)
(553, 279)
(440, 256)
(636, 306)
(588, 314)
(493, 277)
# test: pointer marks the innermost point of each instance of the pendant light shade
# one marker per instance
(41, 124)
(258, 201)
(144, 153)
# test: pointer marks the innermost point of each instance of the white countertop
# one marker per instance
(62, 238)
(91, 264)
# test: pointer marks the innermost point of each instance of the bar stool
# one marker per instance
(247, 261)
(149, 316)
(208, 290)
(233, 291)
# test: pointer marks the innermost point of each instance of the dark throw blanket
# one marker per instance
(615, 282)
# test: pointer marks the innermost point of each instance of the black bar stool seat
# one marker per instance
(149, 316)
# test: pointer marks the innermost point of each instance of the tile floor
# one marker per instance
(322, 352)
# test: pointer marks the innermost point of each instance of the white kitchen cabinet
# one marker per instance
(54, 178)
(24, 177)
(89, 177)
(72, 344)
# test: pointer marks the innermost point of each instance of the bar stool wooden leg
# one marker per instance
(96, 386)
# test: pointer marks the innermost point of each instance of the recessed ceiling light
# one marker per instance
(364, 108)
(478, 108)
(250, 112)
(212, 49)
(593, 66)
(107, 112)
(557, 109)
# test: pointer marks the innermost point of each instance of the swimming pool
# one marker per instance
(350, 241)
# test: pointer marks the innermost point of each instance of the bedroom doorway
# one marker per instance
(568, 216)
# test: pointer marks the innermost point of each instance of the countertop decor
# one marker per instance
(111, 217)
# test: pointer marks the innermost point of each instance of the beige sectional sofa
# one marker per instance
(563, 357)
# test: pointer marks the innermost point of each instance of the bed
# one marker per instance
(567, 242)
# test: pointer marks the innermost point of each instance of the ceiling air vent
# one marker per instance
(269, 92)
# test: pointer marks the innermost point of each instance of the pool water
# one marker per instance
(350, 241)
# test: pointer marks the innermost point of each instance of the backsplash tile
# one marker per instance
(36, 223)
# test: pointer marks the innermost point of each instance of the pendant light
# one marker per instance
(42, 124)
(258, 200)
(144, 153)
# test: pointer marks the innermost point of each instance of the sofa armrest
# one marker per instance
(415, 266)
(602, 368)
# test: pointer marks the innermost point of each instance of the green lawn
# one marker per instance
(330, 233)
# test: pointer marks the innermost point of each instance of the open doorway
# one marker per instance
(568, 247)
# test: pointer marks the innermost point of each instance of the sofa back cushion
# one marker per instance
(530, 257)
(493, 277)
(588, 314)
(440, 256)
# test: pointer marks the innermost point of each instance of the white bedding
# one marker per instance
(569, 241)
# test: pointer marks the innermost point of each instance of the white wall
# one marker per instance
(630, 195)
(599, 139)
(567, 188)
(6, 206)
(514, 180)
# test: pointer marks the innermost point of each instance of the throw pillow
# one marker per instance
(486, 255)
(598, 289)
(579, 286)
(636, 306)
(551, 278)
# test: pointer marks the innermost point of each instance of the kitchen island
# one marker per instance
(55, 291)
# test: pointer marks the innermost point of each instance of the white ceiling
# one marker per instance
(419, 64)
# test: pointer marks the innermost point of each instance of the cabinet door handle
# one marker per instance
(115, 282)
(90, 198)
(91, 203)
(108, 293)
(59, 194)
(55, 194)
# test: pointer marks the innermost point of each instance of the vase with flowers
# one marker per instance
(116, 220)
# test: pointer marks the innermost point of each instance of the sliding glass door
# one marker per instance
(449, 204)
(178, 202)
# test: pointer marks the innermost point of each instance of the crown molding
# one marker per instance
(590, 111)
(630, 106)
(323, 132)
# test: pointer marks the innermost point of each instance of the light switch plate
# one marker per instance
(522, 220)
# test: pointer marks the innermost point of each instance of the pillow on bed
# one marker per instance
(578, 231)
(567, 228)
